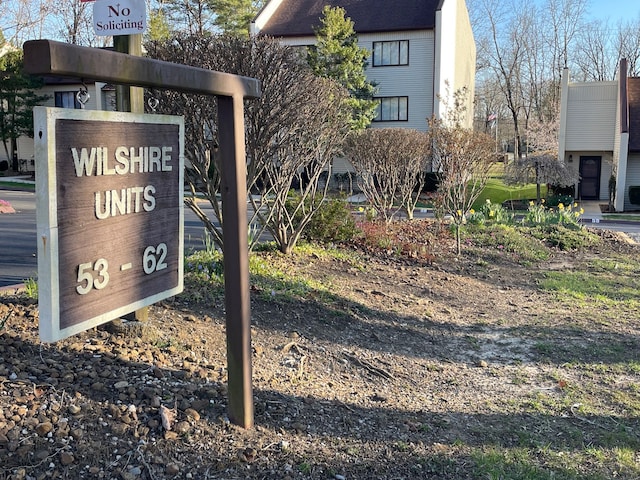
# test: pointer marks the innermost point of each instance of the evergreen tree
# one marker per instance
(17, 99)
(158, 28)
(337, 55)
(234, 16)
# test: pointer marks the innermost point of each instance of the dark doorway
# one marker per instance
(590, 178)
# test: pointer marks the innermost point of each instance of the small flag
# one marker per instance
(491, 120)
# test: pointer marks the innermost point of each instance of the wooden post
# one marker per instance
(236, 261)
(130, 99)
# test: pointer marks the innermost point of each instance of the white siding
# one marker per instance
(414, 80)
(633, 179)
(591, 116)
(455, 57)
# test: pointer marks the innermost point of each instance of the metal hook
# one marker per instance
(153, 102)
(83, 95)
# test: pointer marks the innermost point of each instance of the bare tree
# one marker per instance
(526, 46)
(293, 131)
(462, 158)
(72, 21)
(594, 59)
(627, 43)
(564, 20)
(23, 20)
(391, 164)
(503, 49)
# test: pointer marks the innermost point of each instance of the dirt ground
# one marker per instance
(406, 369)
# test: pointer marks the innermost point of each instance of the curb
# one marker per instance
(12, 289)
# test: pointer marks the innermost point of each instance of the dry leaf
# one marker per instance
(168, 416)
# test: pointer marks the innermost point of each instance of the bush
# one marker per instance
(402, 239)
(332, 222)
(559, 199)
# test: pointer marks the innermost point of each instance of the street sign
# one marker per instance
(109, 208)
(119, 17)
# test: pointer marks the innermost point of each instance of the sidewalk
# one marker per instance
(592, 212)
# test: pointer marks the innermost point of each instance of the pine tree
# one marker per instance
(158, 26)
(337, 55)
(17, 99)
(234, 16)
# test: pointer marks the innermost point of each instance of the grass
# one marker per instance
(205, 269)
(19, 185)
(498, 192)
(631, 217)
(607, 282)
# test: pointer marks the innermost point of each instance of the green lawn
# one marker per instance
(498, 192)
(22, 186)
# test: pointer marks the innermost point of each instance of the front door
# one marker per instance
(590, 178)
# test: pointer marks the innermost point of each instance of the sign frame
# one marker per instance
(46, 57)
(52, 243)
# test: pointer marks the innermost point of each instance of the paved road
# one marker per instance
(18, 239)
(18, 246)
(18, 236)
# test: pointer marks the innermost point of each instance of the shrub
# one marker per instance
(406, 239)
(559, 199)
(332, 222)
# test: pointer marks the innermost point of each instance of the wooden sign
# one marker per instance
(109, 198)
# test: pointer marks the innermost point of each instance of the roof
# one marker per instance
(633, 92)
(300, 17)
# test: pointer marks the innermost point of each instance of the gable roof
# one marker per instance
(633, 95)
(300, 17)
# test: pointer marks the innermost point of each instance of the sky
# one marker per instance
(614, 10)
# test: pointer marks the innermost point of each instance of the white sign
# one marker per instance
(119, 17)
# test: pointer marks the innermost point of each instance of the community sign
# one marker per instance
(109, 198)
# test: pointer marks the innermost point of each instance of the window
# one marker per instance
(67, 100)
(392, 109)
(391, 53)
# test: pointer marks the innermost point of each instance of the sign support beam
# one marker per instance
(46, 57)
